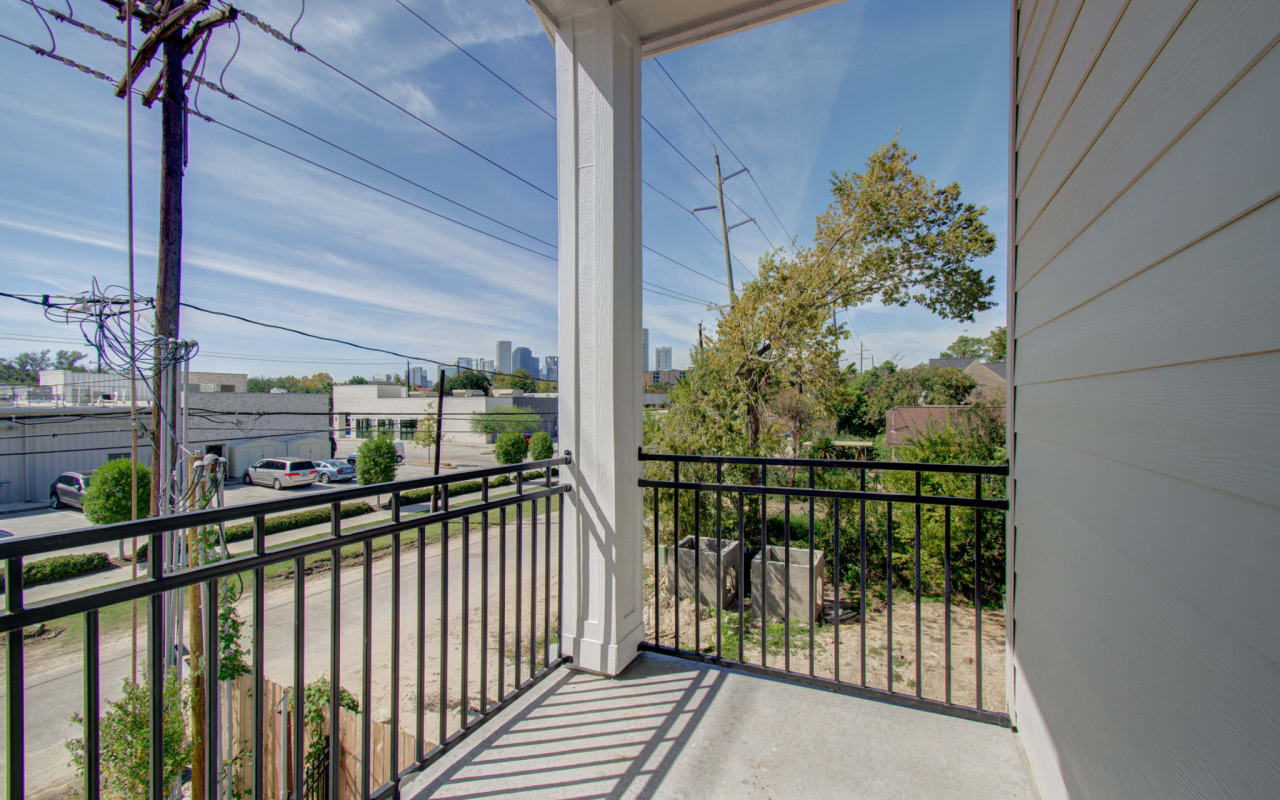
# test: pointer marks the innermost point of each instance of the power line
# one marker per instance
(255, 21)
(682, 265)
(741, 163)
(483, 65)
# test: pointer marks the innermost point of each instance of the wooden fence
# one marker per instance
(277, 735)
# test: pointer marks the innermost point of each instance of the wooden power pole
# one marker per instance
(166, 27)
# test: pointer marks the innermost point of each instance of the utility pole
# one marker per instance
(408, 383)
(699, 336)
(724, 226)
(435, 496)
(859, 355)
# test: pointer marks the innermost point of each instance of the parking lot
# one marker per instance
(454, 458)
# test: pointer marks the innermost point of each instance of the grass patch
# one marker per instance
(775, 635)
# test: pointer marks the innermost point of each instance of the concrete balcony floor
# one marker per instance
(673, 728)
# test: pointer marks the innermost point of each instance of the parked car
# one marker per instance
(68, 490)
(282, 473)
(335, 469)
(351, 459)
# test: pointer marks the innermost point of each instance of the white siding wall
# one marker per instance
(1146, 377)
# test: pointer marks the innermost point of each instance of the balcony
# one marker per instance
(443, 620)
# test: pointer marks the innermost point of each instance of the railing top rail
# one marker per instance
(146, 586)
(98, 534)
(830, 463)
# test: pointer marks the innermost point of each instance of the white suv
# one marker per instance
(281, 473)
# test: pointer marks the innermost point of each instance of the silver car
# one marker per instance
(282, 473)
(68, 490)
(335, 469)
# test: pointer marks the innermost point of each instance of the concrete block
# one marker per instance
(699, 568)
(784, 583)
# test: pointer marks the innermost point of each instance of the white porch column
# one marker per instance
(598, 131)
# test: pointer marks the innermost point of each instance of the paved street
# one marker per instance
(54, 684)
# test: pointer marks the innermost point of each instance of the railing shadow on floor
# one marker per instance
(588, 736)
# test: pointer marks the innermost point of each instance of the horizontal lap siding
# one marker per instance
(1146, 401)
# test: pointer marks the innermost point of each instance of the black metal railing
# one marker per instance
(928, 538)
(514, 652)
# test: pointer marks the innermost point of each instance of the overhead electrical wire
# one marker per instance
(727, 147)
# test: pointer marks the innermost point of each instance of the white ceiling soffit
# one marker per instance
(666, 25)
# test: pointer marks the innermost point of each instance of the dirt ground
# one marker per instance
(698, 632)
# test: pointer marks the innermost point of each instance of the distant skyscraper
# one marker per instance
(644, 338)
(663, 356)
(466, 363)
(551, 368)
(504, 356)
(419, 376)
(523, 358)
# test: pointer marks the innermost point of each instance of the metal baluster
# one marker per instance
(443, 710)
(977, 592)
(212, 728)
(335, 629)
(888, 592)
(835, 576)
(464, 710)
(811, 575)
(13, 690)
(155, 669)
(519, 575)
(546, 580)
(484, 597)
(502, 603)
(299, 636)
(393, 749)
(657, 593)
(764, 566)
(697, 570)
(259, 657)
(742, 574)
(675, 548)
(946, 591)
(366, 672)
(560, 577)
(862, 578)
(919, 668)
(719, 557)
(92, 744)
(786, 581)
(533, 589)
(420, 720)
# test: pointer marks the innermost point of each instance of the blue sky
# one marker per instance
(273, 238)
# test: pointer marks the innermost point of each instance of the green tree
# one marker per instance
(376, 461)
(319, 383)
(918, 386)
(520, 379)
(70, 360)
(503, 420)
(511, 448)
(356, 380)
(548, 387)
(106, 500)
(124, 736)
(992, 347)
(424, 435)
(467, 379)
(24, 368)
(540, 446)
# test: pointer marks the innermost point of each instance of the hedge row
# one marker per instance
(468, 487)
(317, 516)
(285, 522)
(60, 568)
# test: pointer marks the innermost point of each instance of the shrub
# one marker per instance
(125, 735)
(540, 446)
(107, 498)
(511, 448)
(376, 461)
(60, 568)
(285, 522)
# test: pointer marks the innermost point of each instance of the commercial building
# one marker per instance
(504, 356)
(362, 412)
(662, 355)
(551, 368)
(39, 441)
(523, 358)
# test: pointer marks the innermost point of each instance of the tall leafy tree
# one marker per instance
(991, 347)
(889, 234)
(520, 379)
(467, 379)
